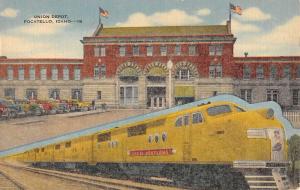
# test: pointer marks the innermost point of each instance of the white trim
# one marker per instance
(39, 63)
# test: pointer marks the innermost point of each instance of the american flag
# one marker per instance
(103, 12)
(236, 9)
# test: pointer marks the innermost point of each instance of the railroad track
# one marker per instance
(8, 183)
(99, 182)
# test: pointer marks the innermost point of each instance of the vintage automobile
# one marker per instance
(11, 110)
(77, 105)
(62, 107)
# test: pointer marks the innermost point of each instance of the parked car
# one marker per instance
(62, 107)
(11, 109)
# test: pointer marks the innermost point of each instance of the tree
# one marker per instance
(294, 154)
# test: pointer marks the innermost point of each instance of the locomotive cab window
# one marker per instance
(57, 146)
(178, 122)
(104, 137)
(68, 144)
(197, 118)
(218, 110)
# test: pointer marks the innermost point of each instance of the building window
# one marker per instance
(54, 73)
(273, 72)
(298, 72)
(99, 51)
(215, 71)
(66, 75)
(54, 94)
(246, 72)
(96, 72)
(128, 95)
(215, 50)
(295, 96)
(272, 95)
(10, 73)
(163, 50)
(136, 50)
(260, 72)
(99, 95)
(122, 51)
(43, 73)
(177, 50)
(9, 93)
(21, 73)
(31, 94)
(287, 72)
(246, 94)
(192, 50)
(103, 71)
(183, 74)
(76, 94)
(76, 73)
(32, 73)
(149, 50)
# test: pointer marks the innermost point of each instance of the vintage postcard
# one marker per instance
(139, 94)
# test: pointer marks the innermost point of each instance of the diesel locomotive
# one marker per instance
(210, 144)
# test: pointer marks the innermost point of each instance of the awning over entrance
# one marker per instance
(184, 91)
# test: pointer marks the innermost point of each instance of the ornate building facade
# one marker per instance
(154, 67)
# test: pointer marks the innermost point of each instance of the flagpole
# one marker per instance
(100, 22)
(229, 12)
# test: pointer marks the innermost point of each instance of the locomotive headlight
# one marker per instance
(257, 133)
(270, 114)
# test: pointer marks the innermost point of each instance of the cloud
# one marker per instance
(9, 12)
(204, 12)
(22, 46)
(240, 27)
(254, 14)
(281, 40)
(173, 17)
(41, 28)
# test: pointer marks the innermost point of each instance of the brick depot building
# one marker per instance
(141, 67)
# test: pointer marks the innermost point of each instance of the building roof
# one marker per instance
(163, 31)
(268, 59)
(5, 60)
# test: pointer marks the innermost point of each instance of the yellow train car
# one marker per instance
(196, 143)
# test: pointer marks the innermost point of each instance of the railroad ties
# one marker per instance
(8, 183)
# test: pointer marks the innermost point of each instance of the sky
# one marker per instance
(265, 28)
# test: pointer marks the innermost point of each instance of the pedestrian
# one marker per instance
(93, 105)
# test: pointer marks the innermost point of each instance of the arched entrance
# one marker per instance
(156, 85)
(128, 76)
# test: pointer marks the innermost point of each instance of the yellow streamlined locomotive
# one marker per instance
(211, 145)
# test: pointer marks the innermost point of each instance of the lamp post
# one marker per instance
(169, 66)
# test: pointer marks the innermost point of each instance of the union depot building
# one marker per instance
(154, 67)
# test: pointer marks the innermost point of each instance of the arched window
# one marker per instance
(10, 73)
(96, 72)
(54, 73)
(273, 72)
(287, 72)
(129, 74)
(156, 74)
(183, 74)
(32, 73)
(260, 72)
(66, 73)
(246, 72)
(103, 71)
(21, 73)
(77, 73)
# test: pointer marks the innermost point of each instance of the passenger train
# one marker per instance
(209, 144)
